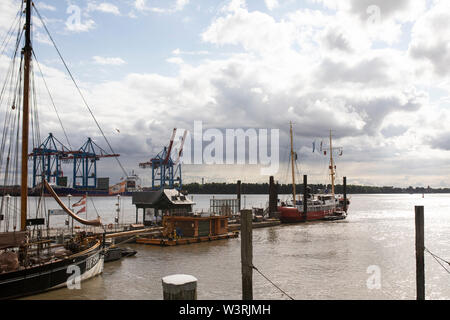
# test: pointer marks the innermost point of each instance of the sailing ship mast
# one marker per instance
(332, 172)
(27, 51)
(292, 164)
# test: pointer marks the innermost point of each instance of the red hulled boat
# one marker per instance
(318, 206)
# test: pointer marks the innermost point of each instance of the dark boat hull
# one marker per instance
(63, 192)
(113, 254)
(50, 276)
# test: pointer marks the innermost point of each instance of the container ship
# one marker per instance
(311, 207)
(124, 188)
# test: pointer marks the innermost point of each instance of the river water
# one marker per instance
(370, 255)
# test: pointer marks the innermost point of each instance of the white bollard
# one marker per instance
(179, 287)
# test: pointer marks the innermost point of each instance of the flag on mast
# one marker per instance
(81, 210)
(81, 202)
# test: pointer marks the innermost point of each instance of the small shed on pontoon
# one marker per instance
(167, 202)
(195, 226)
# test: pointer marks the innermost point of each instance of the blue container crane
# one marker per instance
(85, 164)
(165, 171)
(47, 159)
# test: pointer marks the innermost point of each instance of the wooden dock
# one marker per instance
(119, 233)
(261, 224)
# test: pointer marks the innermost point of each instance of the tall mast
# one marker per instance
(27, 50)
(332, 173)
(292, 164)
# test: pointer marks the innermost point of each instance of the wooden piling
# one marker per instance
(345, 193)
(305, 196)
(238, 194)
(247, 254)
(273, 198)
(179, 287)
(137, 212)
(420, 250)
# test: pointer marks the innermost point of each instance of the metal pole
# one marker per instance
(420, 249)
(247, 254)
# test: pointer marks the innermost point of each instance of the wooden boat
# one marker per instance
(29, 264)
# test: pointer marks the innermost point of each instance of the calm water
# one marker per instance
(320, 260)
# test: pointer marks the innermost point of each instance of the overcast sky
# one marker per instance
(376, 72)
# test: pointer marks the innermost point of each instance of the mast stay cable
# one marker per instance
(79, 91)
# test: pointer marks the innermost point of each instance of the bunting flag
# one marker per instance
(81, 202)
(314, 146)
(81, 210)
(321, 142)
(118, 188)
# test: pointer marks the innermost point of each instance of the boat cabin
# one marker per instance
(193, 227)
(159, 203)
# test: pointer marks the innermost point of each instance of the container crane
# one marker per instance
(166, 171)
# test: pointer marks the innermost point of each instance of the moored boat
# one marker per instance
(318, 206)
(30, 261)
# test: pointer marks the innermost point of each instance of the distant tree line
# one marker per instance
(263, 188)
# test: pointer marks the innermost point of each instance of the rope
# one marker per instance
(437, 258)
(272, 283)
(51, 99)
(93, 204)
(79, 91)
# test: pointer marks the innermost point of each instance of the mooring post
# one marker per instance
(137, 212)
(305, 197)
(272, 198)
(238, 193)
(420, 250)
(345, 193)
(247, 254)
(179, 287)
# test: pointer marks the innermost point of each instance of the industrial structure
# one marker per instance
(166, 172)
(51, 154)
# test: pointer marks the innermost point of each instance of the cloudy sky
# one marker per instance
(376, 72)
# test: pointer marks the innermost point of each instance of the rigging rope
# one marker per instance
(51, 99)
(13, 26)
(272, 283)
(79, 91)
(437, 258)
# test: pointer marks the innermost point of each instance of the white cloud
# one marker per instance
(430, 39)
(179, 5)
(8, 11)
(175, 60)
(104, 7)
(319, 69)
(181, 52)
(254, 31)
(85, 26)
(271, 4)
(108, 61)
(43, 6)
